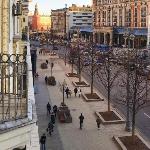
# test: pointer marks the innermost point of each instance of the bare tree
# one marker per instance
(108, 73)
(72, 55)
(92, 63)
(134, 89)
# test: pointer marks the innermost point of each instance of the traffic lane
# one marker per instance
(143, 123)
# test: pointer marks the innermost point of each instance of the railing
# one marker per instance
(13, 87)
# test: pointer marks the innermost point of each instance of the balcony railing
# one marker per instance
(13, 87)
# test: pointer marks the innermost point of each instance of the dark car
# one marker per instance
(55, 48)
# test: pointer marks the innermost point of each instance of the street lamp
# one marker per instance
(64, 84)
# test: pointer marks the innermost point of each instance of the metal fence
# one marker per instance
(13, 87)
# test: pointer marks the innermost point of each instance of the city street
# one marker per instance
(68, 136)
(143, 116)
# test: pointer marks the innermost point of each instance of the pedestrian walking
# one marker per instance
(67, 91)
(75, 91)
(50, 128)
(43, 141)
(98, 121)
(46, 79)
(48, 108)
(53, 117)
(79, 91)
(46, 61)
(81, 118)
(55, 110)
(70, 92)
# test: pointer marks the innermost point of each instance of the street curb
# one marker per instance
(91, 100)
(123, 147)
(76, 85)
(121, 121)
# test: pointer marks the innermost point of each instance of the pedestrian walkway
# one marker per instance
(69, 136)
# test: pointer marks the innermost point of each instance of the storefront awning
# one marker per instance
(135, 31)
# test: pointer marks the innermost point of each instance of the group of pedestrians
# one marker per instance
(76, 91)
(52, 112)
(81, 118)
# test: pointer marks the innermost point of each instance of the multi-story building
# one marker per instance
(79, 18)
(58, 22)
(67, 21)
(112, 18)
(38, 22)
(18, 128)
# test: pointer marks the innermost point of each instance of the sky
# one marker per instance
(45, 6)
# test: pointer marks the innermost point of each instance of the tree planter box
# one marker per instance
(64, 115)
(125, 143)
(80, 84)
(111, 117)
(44, 66)
(72, 75)
(92, 98)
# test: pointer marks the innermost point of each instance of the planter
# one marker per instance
(110, 117)
(72, 75)
(64, 115)
(125, 143)
(51, 81)
(44, 66)
(80, 84)
(92, 97)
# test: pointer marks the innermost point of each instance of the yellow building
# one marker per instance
(17, 121)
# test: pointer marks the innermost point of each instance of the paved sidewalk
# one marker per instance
(69, 136)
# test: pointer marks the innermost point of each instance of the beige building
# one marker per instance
(18, 128)
(113, 17)
(58, 21)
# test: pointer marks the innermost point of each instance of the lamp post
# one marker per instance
(64, 84)
(128, 36)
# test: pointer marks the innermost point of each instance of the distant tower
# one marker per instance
(36, 19)
(36, 12)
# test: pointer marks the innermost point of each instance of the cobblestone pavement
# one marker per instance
(69, 136)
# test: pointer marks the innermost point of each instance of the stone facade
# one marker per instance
(58, 19)
(113, 17)
(17, 108)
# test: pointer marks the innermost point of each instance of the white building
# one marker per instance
(79, 18)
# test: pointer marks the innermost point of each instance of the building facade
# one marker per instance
(67, 21)
(79, 18)
(17, 106)
(113, 18)
(58, 22)
(38, 22)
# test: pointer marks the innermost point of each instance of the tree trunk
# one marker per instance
(108, 80)
(72, 68)
(133, 125)
(108, 98)
(92, 79)
(79, 77)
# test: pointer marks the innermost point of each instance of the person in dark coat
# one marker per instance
(48, 108)
(75, 91)
(50, 128)
(55, 110)
(81, 118)
(67, 91)
(46, 61)
(46, 79)
(53, 117)
(42, 141)
(98, 121)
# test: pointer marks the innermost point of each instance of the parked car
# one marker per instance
(55, 48)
